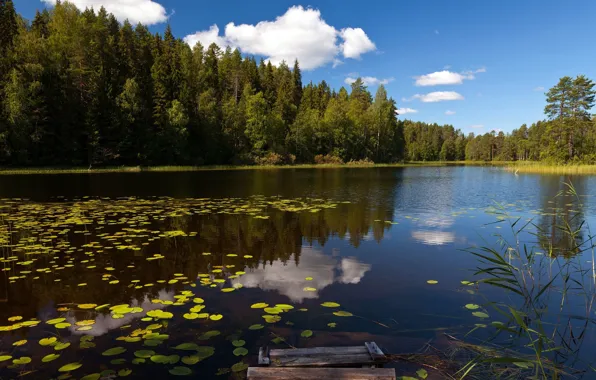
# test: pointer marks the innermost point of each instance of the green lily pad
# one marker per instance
(93, 376)
(330, 304)
(256, 327)
(22, 360)
(239, 367)
(48, 341)
(480, 314)
(472, 306)
(124, 372)
(114, 351)
(306, 333)
(50, 357)
(342, 313)
(259, 305)
(432, 282)
(187, 347)
(180, 371)
(238, 343)
(70, 367)
(145, 354)
(240, 351)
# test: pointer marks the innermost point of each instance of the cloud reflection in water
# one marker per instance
(289, 279)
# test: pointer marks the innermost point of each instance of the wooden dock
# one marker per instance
(322, 363)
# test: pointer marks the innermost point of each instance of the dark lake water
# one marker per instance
(145, 264)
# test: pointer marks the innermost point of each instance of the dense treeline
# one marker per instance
(79, 88)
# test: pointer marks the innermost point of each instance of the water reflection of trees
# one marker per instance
(562, 213)
(279, 240)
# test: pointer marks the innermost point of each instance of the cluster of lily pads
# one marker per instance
(59, 241)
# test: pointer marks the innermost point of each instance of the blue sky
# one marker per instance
(495, 58)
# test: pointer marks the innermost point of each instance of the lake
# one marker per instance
(162, 274)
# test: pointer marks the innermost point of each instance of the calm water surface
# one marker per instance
(218, 242)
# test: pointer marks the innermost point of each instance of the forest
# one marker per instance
(78, 88)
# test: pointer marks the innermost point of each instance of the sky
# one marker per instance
(478, 65)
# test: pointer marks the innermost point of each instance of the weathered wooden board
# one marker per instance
(319, 351)
(321, 360)
(278, 373)
(367, 354)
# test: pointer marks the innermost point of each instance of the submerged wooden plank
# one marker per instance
(319, 351)
(264, 356)
(321, 360)
(375, 352)
(269, 373)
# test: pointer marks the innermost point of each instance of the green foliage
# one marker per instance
(78, 88)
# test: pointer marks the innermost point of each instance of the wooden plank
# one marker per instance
(319, 351)
(264, 356)
(321, 360)
(269, 373)
(375, 352)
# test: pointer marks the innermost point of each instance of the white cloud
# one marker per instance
(446, 77)
(448, 112)
(356, 43)
(403, 111)
(369, 81)
(438, 96)
(477, 126)
(539, 88)
(144, 11)
(206, 37)
(300, 33)
(433, 237)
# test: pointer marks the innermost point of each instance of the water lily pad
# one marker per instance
(4, 358)
(70, 367)
(62, 325)
(259, 305)
(144, 353)
(256, 327)
(306, 334)
(472, 306)
(114, 351)
(61, 346)
(480, 314)
(238, 343)
(48, 341)
(93, 376)
(342, 313)
(180, 371)
(50, 357)
(422, 373)
(330, 304)
(124, 372)
(432, 282)
(215, 317)
(22, 360)
(239, 367)
(240, 351)
(187, 346)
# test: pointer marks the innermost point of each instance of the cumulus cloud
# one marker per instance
(477, 126)
(445, 77)
(369, 81)
(448, 112)
(300, 33)
(539, 88)
(438, 96)
(144, 11)
(403, 111)
(356, 42)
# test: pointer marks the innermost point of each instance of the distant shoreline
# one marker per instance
(174, 168)
(515, 167)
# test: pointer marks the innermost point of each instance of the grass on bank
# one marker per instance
(544, 168)
(138, 169)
